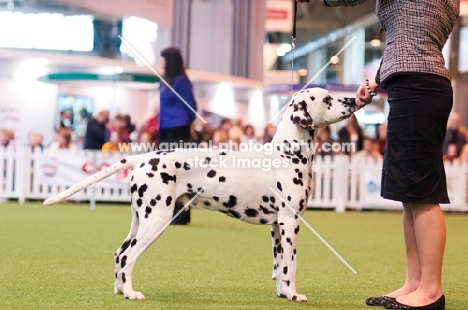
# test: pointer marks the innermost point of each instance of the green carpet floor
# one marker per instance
(61, 257)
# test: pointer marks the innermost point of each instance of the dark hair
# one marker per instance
(174, 64)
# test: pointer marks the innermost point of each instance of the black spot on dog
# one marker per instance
(149, 175)
(131, 179)
(124, 246)
(222, 153)
(142, 190)
(134, 241)
(285, 269)
(139, 202)
(289, 198)
(279, 186)
(288, 282)
(298, 182)
(301, 203)
(207, 160)
(266, 211)
(296, 230)
(304, 161)
(265, 198)
(177, 165)
(154, 163)
(186, 166)
(164, 166)
(312, 98)
(200, 189)
(272, 234)
(231, 203)
(282, 232)
(124, 279)
(216, 198)
(158, 197)
(251, 212)
(153, 202)
(166, 178)
(222, 179)
(234, 214)
(206, 203)
(123, 161)
(123, 262)
(142, 165)
(147, 211)
(211, 174)
(289, 241)
(137, 215)
(117, 260)
(134, 188)
(263, 221)
(294, 298)
(295, 160)
(272, 199)
(168, 201)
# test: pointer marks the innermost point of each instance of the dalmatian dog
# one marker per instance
(162, 180)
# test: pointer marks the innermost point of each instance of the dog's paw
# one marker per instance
(134, 295)
(298, 297)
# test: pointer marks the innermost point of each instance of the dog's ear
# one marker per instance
(300, 116)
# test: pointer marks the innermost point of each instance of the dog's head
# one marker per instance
(314, 107)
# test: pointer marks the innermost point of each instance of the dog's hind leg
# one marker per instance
(289, 230)
(153, 215)
(277, 258)
(123, 250)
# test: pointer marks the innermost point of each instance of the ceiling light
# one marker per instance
(334, 60)
(375, 42)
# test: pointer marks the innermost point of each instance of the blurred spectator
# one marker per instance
(118, 124)
(6, 138)
(249, 134)
(352, 133)
(382, 131)
(131, 128)
(236, 132)
(65, 119)
(96, 131)
(113, 144)
(63, 142)
(35, 140)
(451, 153)
(269, 133)
(455, 134)
(221, 135)
(151, 128)
(325, 142)
(370, 150)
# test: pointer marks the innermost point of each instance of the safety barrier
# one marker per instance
(340, 183)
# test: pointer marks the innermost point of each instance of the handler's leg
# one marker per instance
(430, 232)
(413, 268)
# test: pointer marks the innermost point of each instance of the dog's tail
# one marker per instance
(126, 163)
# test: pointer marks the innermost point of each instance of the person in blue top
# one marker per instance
(175, 116)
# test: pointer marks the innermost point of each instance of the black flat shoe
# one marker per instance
(439, 304)
(379, 301)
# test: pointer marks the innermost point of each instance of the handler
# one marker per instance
(420, 97)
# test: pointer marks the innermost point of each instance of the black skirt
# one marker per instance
(413, 169)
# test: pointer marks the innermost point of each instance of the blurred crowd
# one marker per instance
(106, 134)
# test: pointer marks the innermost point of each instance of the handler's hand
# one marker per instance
(362, 95)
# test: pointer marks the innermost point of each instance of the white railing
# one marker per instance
(340, 183)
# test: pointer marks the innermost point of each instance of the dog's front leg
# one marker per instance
(289, 230)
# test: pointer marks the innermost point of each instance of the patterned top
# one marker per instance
(416, 30)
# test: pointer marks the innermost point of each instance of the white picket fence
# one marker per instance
(340, 183)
